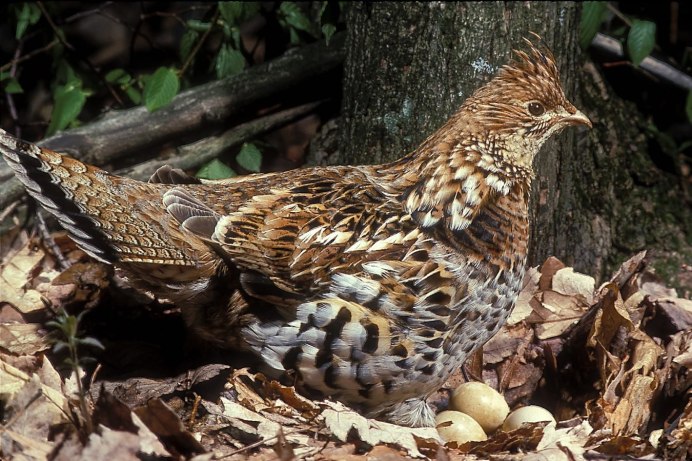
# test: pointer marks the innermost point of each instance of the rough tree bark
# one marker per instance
(598, 197)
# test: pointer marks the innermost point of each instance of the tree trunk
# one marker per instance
(410, 65)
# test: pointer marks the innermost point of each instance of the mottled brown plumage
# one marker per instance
(370, 284)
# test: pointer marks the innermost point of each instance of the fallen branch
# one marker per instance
(190, 114)
(200, 152)
(660, 69)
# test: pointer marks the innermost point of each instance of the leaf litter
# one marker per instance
(610, 362)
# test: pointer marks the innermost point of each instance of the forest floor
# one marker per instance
(611, 363)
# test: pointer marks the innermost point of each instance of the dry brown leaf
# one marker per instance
(568, 282)
(566, 444)
(683, 356)
(523, 439)
(274, 389)
(611, 320)
(31, 410)
(630, 267)
(258, 425)
(548, 270)
(558, 313)
(628, 360)
(15, 278)
(244, 384)
(110, 444)
(522, 306)
(633, 410)
(342, 421)
(651, 285)
(112, 413)
(678, 312)
(282, 448)
(138, 390)
(30, 448)
(506, 343)
(23, 338)
(163, 422)
(620, 446)
(81, 284)
(12, 380)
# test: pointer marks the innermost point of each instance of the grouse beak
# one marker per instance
(574, 116)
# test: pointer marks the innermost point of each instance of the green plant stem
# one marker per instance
(199, 43)
(76, 369)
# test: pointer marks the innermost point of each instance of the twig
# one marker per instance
(8, 95)
(195, 408)
(165, 14)
(92, 380)
(8, 210)
(81, 14)
(29, 55)
(259, 443)
(50, 242)
(199, 43)
(85, 60)
(144, 16)
(655, 66)
(619, 14)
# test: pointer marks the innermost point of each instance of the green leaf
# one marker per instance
(198, 26)
(235, 35)
(91, 342)
(216, 170)
(59, 346)
(68, 103)
(12, 86)
(134, 94)
(160, 88)
(65, 74)
(231, 12)
(294, 37)
(323, 8)
(295, 18)
(187, 42)
(328, 30)
(249, 157)
(229, 62)
(641, 40)
(688, 106)
(234, 13)
(119, 76)
(591, 17)
(29, 14)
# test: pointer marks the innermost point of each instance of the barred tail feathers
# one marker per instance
(95, 207)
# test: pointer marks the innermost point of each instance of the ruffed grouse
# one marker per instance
(369, 284)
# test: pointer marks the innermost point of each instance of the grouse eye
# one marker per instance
(536, 108)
